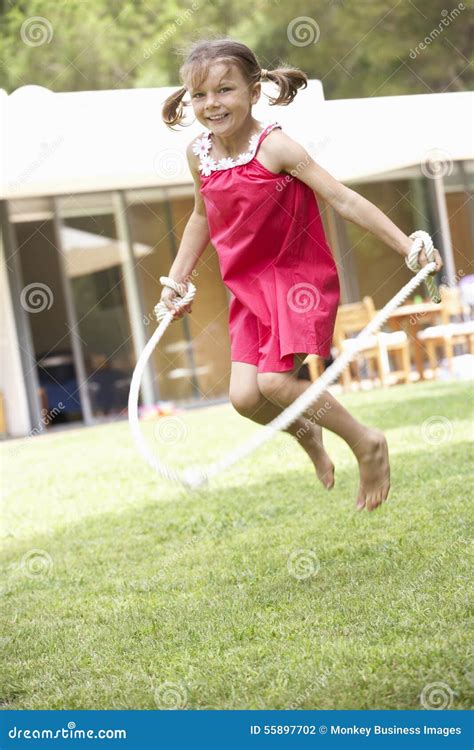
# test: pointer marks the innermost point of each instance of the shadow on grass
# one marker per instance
(222, 513)
(209, 580)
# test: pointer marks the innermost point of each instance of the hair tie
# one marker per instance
(264, 73)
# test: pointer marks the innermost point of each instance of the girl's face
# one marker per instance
(224, 92)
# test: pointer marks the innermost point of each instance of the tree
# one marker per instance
(357, 49)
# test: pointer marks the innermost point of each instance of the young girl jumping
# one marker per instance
(255, 201)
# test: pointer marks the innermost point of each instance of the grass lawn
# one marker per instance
(264, 591)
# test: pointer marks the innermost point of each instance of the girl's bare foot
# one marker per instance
(374, 468)
(312, 442)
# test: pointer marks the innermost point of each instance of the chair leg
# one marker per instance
(397, 354)
(406, 367)
(346, 378)
(381, 366)
(357, 366)
(448, 347)
(466, 341)
(313, 367)
(370, 368)
(431, 349)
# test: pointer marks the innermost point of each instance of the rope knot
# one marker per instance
(186, 292)
(422, 240)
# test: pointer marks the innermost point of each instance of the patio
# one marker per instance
(429, 341)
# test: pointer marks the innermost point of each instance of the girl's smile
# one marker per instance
(218, 118)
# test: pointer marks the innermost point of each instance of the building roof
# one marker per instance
(88, 141)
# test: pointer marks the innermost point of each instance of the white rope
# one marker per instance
(421, 239)
(194, 477)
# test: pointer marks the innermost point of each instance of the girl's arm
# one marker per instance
(194, 241)
(350, 205)
(196, 236)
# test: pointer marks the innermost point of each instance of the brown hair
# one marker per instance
(204, 52)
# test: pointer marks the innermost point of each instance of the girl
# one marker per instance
(255, 200)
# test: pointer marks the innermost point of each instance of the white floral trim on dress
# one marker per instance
(201, 147)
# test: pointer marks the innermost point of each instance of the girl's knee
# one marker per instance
(270, 383)
(246, 401)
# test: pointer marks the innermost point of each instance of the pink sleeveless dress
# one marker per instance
(273, 255)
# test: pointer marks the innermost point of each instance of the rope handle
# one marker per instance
(422, 240)
(186, 292)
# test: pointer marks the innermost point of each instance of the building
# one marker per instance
(95, 195)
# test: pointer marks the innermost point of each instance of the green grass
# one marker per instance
(148, 584)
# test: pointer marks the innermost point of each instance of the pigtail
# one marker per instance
(288, 80)
(173, 108)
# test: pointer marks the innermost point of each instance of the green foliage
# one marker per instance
(356, 48)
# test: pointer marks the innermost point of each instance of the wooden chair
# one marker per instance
(451, 331)
(350, 320)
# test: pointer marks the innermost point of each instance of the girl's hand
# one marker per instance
(167, 295)
(423, 260)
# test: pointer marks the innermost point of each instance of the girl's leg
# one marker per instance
(248, 401)
(368, 445)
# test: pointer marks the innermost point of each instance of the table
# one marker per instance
(412, 315)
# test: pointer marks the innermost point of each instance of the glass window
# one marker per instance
(381, 271)
(193, 358)
(43, 300)
(93, 256)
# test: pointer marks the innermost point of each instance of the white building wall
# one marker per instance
(12, 385)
